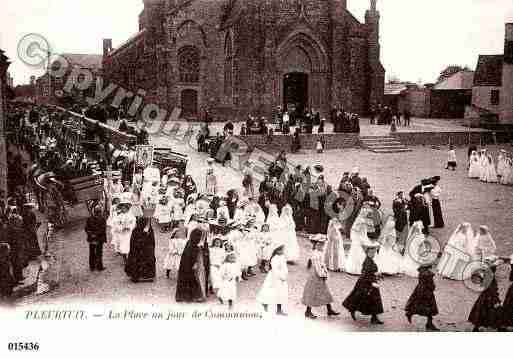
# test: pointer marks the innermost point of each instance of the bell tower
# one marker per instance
(376, 74)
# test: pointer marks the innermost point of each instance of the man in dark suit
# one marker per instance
(96, 229)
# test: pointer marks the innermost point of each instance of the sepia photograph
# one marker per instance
(261, 170)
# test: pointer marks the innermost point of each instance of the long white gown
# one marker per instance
(483, 166)
(491, 173)
(275, 289)
(507, 178)
(501, 164)
(334, 253)
(359, 236)
(458, 253)
(389, 259)
(474, 168)
(292, 251)
(228, 274)
(123, 226)
(275, 227)
(410, 262)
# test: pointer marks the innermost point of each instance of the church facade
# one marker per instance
(234, 57)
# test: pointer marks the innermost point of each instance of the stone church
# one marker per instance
(234, 57)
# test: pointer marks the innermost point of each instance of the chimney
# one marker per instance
(107, 46)
(508, 44)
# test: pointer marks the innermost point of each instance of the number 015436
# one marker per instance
(23, 346)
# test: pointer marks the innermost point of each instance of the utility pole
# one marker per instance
(4, 64)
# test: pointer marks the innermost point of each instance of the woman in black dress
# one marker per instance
(486, 309)
(194, 269)
(423, 302)
(365, 297)
(140, 265)
(435, 203)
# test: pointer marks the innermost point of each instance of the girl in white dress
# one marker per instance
(491, 173)
(507, 179)
(265, 248)
(229, 275)
(163, 214)
(275, 290)
(275, 225)
(247, 253)
(458, 253)
(110, 222)
(483, 166)
(123, 225)
(334, 253)
(485, 245)
(474, 169)
(358, 236)
(410, 261)
(501, 164)
(292, 251)
(217, 257)
(176, 245)
(389, 259)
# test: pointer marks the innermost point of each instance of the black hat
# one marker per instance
(425, 182)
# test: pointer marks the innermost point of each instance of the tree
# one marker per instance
(451, 70)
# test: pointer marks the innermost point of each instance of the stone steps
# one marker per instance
(383, 144)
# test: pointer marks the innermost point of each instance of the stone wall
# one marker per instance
(444, 138)
(308, 142)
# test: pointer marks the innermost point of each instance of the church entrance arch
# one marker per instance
(295, 92)
(302, 72)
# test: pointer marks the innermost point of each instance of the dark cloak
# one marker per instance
(422, 301)
(365, 298)
(193, 273)
(141, 259)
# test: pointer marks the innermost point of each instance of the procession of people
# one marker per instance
(217, 241)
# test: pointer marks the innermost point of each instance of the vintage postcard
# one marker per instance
(252, 173)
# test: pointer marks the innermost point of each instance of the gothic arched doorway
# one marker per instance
(189, 101)
(295, 92)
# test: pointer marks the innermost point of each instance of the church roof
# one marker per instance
(489, 70)
(128, 42)
(88, 61)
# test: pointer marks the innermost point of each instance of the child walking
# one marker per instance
(316, 292)
(217, 258)
(366, 297)
(275, 290)
(229, 276)
(177, 242)
(423, 302)
(451, 159)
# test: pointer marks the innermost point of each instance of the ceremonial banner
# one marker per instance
(143, 156)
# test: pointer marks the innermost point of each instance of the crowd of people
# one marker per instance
(483, 166)
(216, 241)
